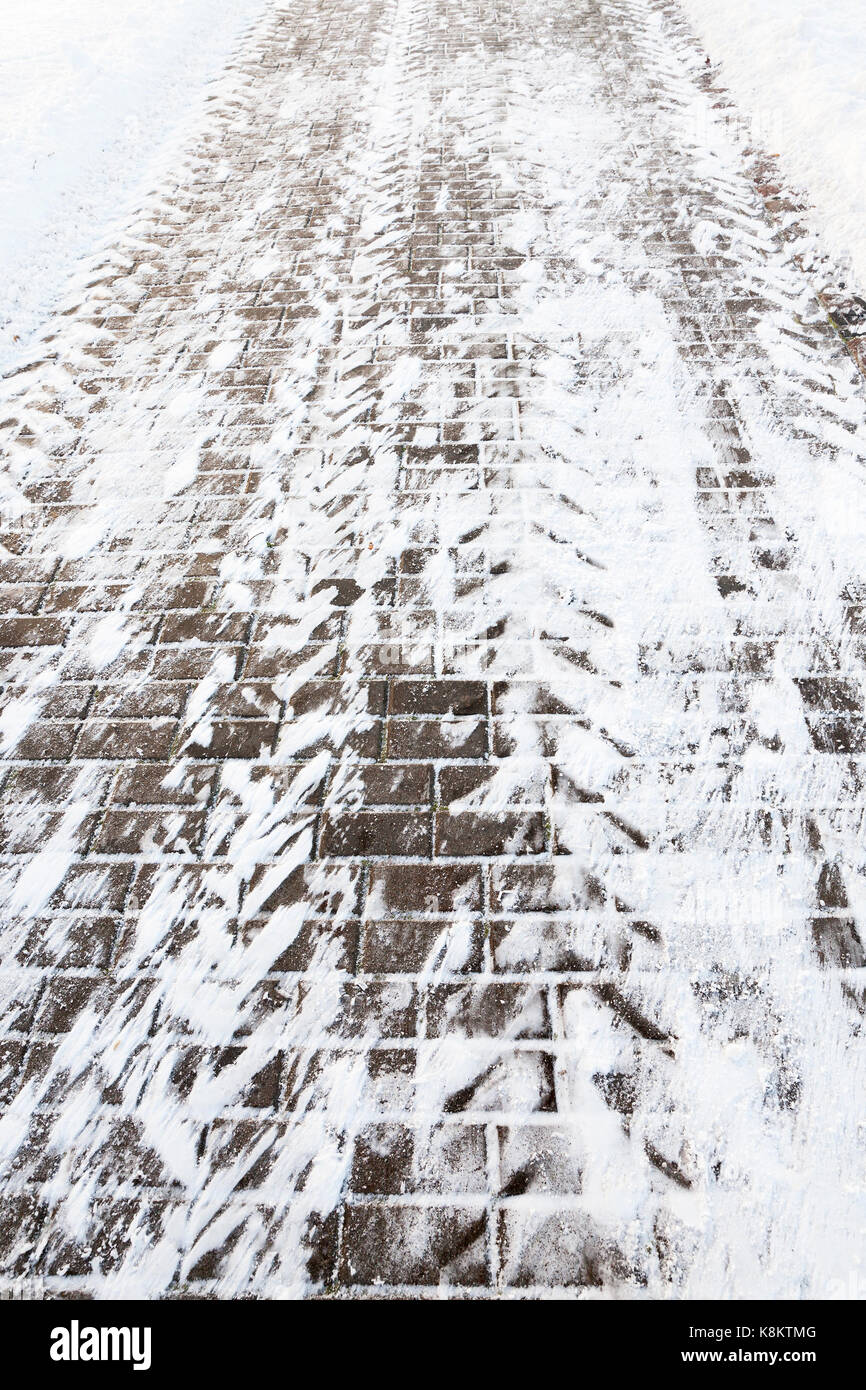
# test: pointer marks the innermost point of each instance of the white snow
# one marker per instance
(91, 92)
(797, 70)
(587, 527)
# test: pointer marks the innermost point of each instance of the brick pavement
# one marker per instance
(433, 717)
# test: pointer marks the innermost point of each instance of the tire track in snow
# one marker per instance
(203, 981)
(516, 409)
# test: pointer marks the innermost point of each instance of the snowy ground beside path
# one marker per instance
(797, 68)
(90, 93)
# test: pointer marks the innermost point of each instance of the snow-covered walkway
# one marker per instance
(435, 625)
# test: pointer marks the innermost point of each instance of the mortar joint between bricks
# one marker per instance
(209, 807)
(486, 915)
(363, 891)
(488, 721)
(246, 641)
(48, 583)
